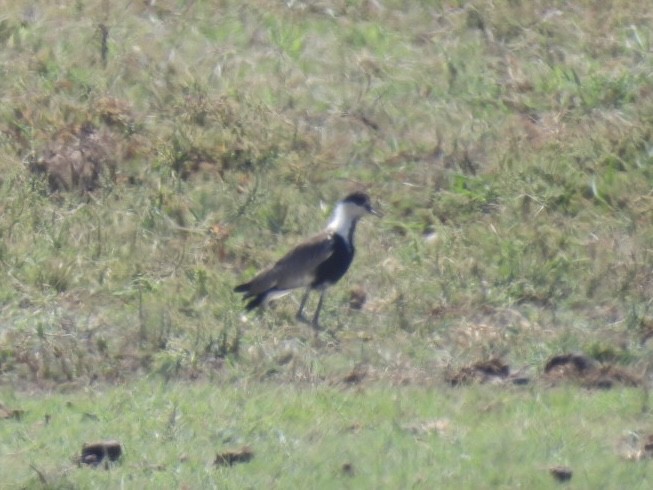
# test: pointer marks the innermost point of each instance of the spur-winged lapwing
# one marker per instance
(317, 263)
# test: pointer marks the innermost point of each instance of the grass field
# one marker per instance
(330, 437)
(156, 153)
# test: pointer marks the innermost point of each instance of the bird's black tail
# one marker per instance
(242, 288)
(257, 300)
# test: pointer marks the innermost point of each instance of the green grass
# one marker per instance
(144, 175)
(303, 436)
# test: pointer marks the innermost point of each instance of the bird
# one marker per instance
(315, 264)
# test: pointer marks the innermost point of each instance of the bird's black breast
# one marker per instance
(331, 270)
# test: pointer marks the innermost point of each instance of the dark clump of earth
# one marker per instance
(95, 453)
(588, 372)
(229, 458)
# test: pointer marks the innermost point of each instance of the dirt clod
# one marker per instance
(480, 372)
(229, 458)
(10, 413)
(576, 362)
(357, 298)
(348, 469)
(358, 374)
(588, 373)
(103, 451)
(561, 473)
(648, 445)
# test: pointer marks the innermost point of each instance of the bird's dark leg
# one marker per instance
(300, 313)
(315, 323)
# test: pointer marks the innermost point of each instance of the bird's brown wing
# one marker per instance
(296, 268)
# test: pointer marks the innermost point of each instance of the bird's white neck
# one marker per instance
(343, 222)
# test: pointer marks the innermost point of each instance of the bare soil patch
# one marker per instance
(637, 447)
(76, 157)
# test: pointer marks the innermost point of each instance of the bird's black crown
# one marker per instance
(359, 198)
